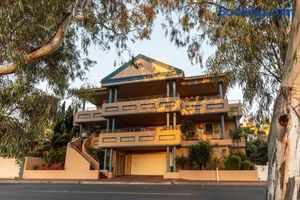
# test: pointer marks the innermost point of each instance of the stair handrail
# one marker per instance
(91, 158)
(76, 149)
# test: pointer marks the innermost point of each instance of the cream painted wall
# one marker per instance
(8, 168)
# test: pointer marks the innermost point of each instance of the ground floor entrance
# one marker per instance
(139, 163)
(154, 161)
(148, 163)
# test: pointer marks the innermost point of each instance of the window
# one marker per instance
(209, 129)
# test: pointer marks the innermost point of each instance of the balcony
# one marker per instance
(140, 137)
(149, 104)
(214, 139)
(89, 116)
(204, 105)
(160, 104)
(235, 108)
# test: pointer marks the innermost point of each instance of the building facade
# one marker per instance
(139, 110)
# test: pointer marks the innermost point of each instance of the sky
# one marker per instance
(159, 48)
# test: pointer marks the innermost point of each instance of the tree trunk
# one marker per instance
(284, 138)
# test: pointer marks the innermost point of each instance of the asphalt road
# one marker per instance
(128, 192)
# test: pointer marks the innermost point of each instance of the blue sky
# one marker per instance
(159, 48)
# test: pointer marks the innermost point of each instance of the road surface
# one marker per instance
(129, 192)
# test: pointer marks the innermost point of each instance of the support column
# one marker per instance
(115, 94)
(174, 120)
(220, 84)
(174, 159)
(80, 130)
(168, 159)
(110, 160)
(168, 120)
(236, 122)
(168, 88)
(107, 124)
(113, 124)
(105, 158)
(222, 126)
(80, 126)
(110, 95)
(83, 105)
(174, 88)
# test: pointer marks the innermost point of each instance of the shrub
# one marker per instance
(200, 154)
(34, 154)
(257, 152)
(188, 129)
(216, 163)
(57, 166)
(246, 165)
(54, 156)
(241, 155)
(233, 163)
(181, 161)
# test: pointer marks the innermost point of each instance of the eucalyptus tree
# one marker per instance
(251, 49)
(45, 44)
(262, 56)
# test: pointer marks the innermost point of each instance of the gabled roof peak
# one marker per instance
(141, 68)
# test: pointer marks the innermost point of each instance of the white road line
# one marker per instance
(115, 192)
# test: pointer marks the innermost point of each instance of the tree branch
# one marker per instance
(46, 50)
(53, 45)
(9, 68)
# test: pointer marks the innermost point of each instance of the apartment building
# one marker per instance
(140, 107)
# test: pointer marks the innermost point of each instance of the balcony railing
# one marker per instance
(140, 98)
(235, 108)
(160, 103)
(140, 137)
(192, 106)
(140, 129)
(89, 116)
(198, 98)
(149, 104)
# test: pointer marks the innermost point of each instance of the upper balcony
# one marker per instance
(154, 136)
(160, 104)
(89, 116)
(235, 108)
(201, 105)
(147, 104)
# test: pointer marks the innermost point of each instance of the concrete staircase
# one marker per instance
(79, 145)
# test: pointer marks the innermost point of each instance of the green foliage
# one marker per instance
(254, 57)
(26, 26)
(237, 134)
(53, 151)
(247, 165)
(241, 155)
(181, 161)
(23, 121)
(257, 151)
(97, 154)
(52, 156)
(188, 129)
(233, 163)
(216, 163)
(200, 154)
